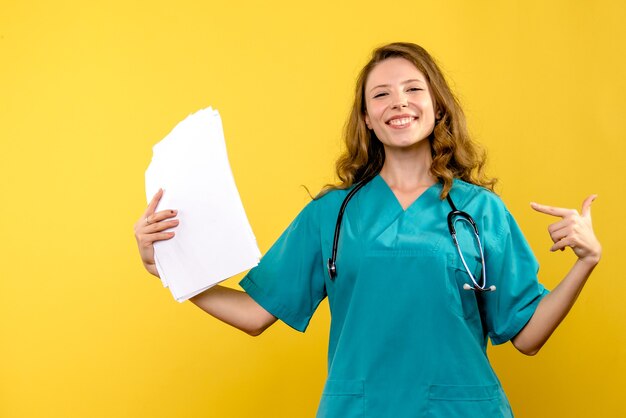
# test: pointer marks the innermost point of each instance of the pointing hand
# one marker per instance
(573, 230)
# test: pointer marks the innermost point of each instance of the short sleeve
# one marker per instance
(512, 268)
(289, 280)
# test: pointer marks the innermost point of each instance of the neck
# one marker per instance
(408, 168)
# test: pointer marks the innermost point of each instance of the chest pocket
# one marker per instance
(465, 301)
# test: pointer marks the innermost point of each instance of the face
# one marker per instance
(399, 107)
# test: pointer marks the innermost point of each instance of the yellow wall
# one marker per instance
(86, 89)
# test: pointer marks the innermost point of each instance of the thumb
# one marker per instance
(586, 210)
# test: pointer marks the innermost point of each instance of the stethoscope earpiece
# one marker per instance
(491, 288)
(332, 269)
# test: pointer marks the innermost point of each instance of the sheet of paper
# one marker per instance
(214, 240)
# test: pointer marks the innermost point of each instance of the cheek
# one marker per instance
(428, 106)
(374, 113)
(428, 113)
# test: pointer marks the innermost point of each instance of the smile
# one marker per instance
(401, 122)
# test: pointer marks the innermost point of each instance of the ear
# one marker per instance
(367, 121)
(438, 112)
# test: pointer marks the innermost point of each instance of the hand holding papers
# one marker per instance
(214, 239)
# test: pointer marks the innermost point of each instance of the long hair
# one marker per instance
(454, 154)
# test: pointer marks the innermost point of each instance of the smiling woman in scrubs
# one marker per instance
(406, 339)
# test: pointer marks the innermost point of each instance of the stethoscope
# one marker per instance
(454, 216)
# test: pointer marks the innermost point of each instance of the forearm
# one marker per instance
(235, 308)
(553, 308)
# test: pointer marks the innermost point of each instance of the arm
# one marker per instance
(575, 231)
(231, 306)
(235, 308)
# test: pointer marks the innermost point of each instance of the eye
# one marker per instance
(380, 94)
(414, 89)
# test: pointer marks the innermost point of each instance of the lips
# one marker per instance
(401, 121)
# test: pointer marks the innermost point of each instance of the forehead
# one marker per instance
(391, 71)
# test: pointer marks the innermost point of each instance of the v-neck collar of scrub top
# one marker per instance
(384, 185)
(381, 216)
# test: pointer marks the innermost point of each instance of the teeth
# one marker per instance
(398, 122)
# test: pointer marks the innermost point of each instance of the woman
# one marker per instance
(411, 312)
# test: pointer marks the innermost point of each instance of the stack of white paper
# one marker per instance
(214, 239)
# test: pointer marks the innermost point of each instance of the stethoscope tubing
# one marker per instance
(454, 216)
(332, 261)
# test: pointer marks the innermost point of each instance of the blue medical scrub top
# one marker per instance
(406, 340)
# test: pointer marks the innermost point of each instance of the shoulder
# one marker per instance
(322, 207)
(467, 194)
(331, 201)
(486, 207)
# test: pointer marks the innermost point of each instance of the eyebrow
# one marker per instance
(412, 80)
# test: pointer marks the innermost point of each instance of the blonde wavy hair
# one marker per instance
(454, 153)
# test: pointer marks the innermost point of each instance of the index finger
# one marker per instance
(153, 203)
(550, 210)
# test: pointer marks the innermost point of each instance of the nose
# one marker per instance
(399, 101)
